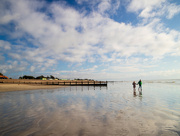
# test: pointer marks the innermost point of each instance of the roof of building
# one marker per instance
(1, 76)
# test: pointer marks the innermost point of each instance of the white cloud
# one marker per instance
(105, 5)
(128, 40)
(155, 8)
(92, 69)
(102, 7)
(5, 45)
(136, 5)
(59, 39)
(172, 10)
(13, 67)
(15, 56)
(82, 1)
(32, 68)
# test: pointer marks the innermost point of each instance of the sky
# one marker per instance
(95, 39)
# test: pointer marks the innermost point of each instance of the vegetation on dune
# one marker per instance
(38, 77)
(48, 78)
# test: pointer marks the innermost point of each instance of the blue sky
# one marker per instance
(96, 39)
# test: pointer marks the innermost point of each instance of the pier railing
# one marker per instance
(55, 82)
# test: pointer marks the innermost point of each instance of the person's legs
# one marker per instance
(134, 90)
(140, 90)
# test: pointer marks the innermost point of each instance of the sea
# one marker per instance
(115, 110)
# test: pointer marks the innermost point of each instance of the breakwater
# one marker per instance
(55, 82)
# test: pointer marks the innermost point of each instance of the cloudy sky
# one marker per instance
(98, 39)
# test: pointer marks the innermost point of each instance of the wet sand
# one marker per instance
(23, 87)
(92, 111)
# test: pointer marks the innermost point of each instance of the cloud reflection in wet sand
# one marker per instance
(74, 111)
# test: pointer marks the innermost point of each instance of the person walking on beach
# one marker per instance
(134, 87)
(140, 86)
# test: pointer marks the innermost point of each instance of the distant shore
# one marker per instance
(23, 87)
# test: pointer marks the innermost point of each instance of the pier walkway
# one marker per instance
(55, 82)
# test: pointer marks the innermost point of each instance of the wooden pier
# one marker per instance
(55, 82)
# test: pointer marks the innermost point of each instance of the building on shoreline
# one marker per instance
(3, 77)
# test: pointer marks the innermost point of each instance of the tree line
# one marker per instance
(38, 77)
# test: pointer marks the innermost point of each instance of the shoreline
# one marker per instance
(23, 87)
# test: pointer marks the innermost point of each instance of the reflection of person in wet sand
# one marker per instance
(134, 87)
(140, 87)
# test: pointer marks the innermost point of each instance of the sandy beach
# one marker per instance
(22, 87)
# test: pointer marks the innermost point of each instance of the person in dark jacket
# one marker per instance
(134, 88)
(140, 86)
(134, 85)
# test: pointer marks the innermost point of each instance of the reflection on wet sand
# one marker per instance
(134, 92)
(83, 111)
